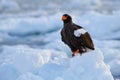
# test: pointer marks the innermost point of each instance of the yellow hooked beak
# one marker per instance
(64, 18)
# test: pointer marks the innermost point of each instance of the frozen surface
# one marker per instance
(31, 47)
(23, 62)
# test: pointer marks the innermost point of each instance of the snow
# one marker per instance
(31, 46)
(8, 5)
(29, 76)
(101, 25)
(87, 65)
(79, 32)
(23, 62)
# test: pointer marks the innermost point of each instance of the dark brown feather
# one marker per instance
(88, 41)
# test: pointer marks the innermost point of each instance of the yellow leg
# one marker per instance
(75, 52)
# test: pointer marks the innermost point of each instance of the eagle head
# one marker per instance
(66, 18)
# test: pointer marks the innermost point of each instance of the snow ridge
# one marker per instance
(46, 64)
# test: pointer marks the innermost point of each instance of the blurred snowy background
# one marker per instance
(31, 47)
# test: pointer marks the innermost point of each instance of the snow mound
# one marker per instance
(101, 25)
(89, 66)
(18, 26)
(25, 63)
(29, 76)
(9, 5)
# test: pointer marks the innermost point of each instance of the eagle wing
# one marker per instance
(87, 41)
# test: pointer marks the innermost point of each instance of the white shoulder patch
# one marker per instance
(78, 32)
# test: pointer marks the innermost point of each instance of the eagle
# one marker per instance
(75, 36)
